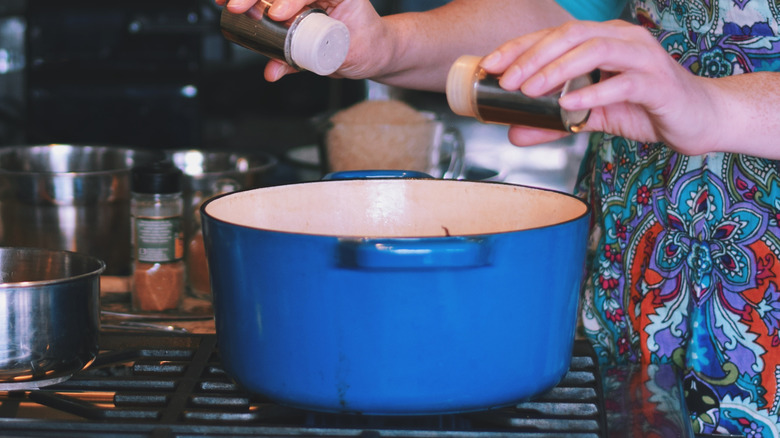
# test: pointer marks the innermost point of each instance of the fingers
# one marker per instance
(276, 70)
(505, 55)
(283, 10)
(542, 61)
(237, 6)
(571, 51)
(627, 87)
(650, 78)
(527, 136)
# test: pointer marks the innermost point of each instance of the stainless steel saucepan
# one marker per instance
(50, 313)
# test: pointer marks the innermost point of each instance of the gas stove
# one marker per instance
(172, 385)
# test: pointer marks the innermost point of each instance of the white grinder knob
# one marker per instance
(320, 44)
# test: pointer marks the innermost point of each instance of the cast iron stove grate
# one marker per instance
(173, 386)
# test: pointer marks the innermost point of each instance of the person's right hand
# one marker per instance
(644, 94)
(367, 33)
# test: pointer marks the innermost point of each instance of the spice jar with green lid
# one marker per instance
(156, 207)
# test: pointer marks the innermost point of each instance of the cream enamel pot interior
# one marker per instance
(392, 296)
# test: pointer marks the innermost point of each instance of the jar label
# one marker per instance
(158, 240)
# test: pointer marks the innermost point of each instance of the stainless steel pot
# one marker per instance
(49, 305)
(68, 197)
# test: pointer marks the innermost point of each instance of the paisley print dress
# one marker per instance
(685, 251)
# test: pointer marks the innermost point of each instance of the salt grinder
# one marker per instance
(473, 92)
(310, 41)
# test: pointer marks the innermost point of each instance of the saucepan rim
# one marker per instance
(94, 272)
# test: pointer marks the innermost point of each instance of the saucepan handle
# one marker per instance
(422, 253)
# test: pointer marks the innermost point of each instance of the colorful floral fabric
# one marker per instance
(685, 250)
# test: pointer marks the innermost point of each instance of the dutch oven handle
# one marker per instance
(421, 253)
(405, 253)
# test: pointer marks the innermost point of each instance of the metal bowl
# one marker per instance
(210, 173)
(49, 305)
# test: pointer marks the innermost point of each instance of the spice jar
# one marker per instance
(311, 40)
(198, 280)
(472, 92)
(197, 267)
(156, 207)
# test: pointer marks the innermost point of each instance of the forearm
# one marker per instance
(747, 114)
(422, 46)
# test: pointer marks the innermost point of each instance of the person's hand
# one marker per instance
(643, 93)
(367, 33)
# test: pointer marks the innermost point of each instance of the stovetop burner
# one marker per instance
(174, 386)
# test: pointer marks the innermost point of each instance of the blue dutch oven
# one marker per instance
(388, 296)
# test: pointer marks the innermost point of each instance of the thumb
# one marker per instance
(276, 70)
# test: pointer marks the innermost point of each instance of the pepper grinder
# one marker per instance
(310, 41)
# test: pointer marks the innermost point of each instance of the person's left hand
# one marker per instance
(643, 93)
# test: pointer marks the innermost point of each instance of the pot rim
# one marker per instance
(586, 212)
(95, 272)
(71, 173)
(269, 162)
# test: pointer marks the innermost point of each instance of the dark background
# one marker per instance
(152, 74)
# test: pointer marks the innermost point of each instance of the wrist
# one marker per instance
(736, 113)
(391, 50)
(411, 57)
